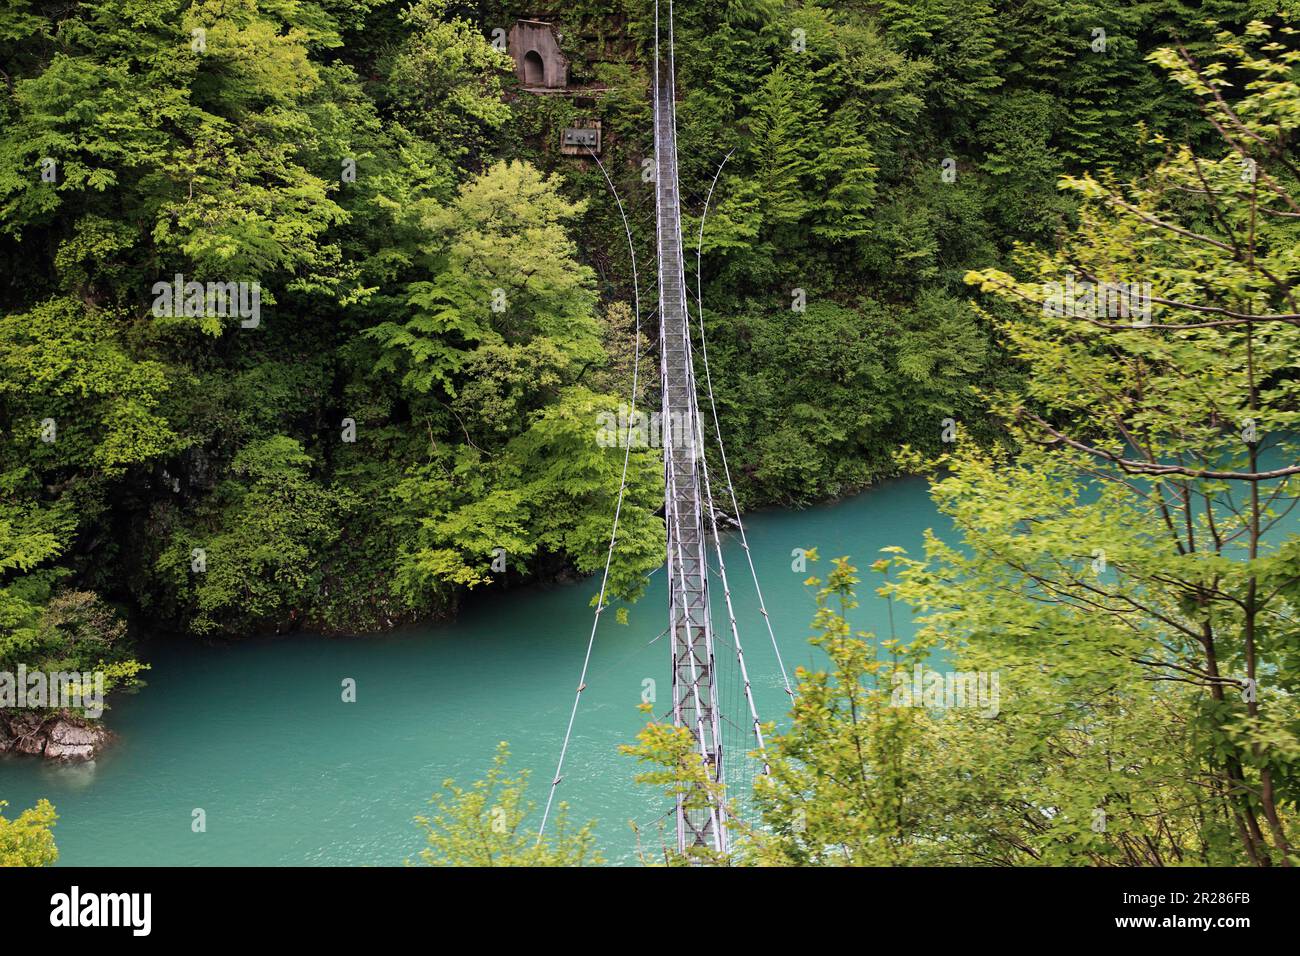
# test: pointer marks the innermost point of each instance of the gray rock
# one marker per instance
(70, 741)
(65, 732)
(69, 752)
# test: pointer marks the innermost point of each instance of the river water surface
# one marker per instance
(256, 735)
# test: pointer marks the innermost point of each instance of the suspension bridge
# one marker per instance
(723, 732)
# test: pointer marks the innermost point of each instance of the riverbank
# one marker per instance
(54, 737)
(257, 733)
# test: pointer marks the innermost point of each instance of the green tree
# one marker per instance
(446, 80)
(72, 631)
(845, 786)
(1132, 543)
(256, 565)
(495, 352)
(484, 825)
(504, 273)
(678, 769)
(27, 840)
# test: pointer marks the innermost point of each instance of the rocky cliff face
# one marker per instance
(57, 737)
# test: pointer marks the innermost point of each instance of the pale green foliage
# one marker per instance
(1139, 574)
(504, 274)
(224, 188)
(64, 630)
(27, 839)
(1086, 726)
(511, 500)
(847, 785)
(65, 362)
(334, 153)
(484, 825)
(1135, 571)
(679, 770)
(75, 631)
(530, 477)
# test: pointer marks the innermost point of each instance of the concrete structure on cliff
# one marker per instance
(539, 64)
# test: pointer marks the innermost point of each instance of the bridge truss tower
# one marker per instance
(695, 694)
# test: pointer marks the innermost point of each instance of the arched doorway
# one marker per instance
(534, 69)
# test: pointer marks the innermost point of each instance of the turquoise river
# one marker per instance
(256, 733)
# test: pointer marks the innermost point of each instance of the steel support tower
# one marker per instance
(695, 698)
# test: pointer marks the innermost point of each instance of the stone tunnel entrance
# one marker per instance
(534, 69)
(539, 64)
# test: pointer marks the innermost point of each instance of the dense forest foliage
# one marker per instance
(1129, 532)
(422, 303)
(1126, 561)
(354, 458)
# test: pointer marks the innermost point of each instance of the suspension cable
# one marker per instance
(722, 564)
(726, 593)
(618, 507)
(717, 428)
